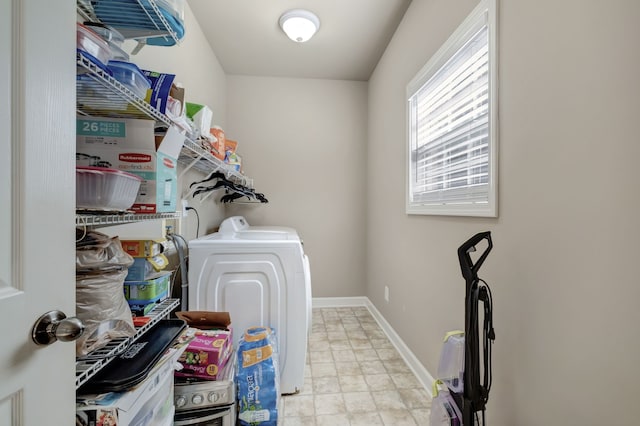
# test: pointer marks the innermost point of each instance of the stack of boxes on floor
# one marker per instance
(257, 373)
(210, 346)
(147, 282)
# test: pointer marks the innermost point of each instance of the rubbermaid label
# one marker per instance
(100, 128)
(134, 157)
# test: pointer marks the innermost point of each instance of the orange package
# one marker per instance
(218, 147)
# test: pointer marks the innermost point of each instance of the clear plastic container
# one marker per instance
(113, 38)
(90, 42)
(118, 54)
(108, 34)
(105, 189)
(444, 411)
(451, 366)
(131, 76)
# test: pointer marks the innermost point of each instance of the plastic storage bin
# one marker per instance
(108, 34)
(131, 76)
(444, 411)
(88, 41)
(105, 189)
(113, 38)
(451, 366)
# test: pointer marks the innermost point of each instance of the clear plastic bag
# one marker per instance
(258, 370)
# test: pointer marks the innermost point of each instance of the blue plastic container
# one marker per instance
(130, 76)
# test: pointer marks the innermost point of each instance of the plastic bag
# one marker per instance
(101, 306)
(98, 253)
(258, 378)
(101, 268)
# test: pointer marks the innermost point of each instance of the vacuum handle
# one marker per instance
(469, 269)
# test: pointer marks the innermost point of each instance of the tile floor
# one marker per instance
(354, 376)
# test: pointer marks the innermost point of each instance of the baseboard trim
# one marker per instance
(337, 302)
(421, 373)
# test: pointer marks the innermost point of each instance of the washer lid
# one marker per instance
(237, 228)
(233, 224)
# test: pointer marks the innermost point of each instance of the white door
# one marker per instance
(37, 201)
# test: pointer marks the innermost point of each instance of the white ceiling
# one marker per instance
(247, 40)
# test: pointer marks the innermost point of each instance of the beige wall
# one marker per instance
(198, 70)
(304, 143)
(562, 270)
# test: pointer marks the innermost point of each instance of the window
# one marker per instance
(452, 124)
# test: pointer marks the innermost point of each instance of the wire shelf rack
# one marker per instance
(139, 19)
(93, 219)
(88, 366)
(99, 94)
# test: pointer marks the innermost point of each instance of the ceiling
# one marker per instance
(247, 40)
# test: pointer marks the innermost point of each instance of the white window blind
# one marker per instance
(450, 128)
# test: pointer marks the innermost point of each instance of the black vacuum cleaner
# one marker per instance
(474, 397)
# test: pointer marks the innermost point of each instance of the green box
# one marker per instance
(149, 290)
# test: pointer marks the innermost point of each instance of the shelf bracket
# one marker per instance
(191, 164)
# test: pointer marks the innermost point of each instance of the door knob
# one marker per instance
(55, 325)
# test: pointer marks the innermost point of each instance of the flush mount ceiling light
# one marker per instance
(299, 25)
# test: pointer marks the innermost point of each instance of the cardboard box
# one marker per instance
(208, 352)
(151, 290)
(144, 268)
(142, 248)
(141, 310)
(151, 400)
(206, 355)
(129, 145)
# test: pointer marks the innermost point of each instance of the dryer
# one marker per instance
(261, 276)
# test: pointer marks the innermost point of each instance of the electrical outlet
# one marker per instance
(386, 294)
(185, 204)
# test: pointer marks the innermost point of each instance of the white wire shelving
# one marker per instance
(138, 20)
(89, 365)
(92, 219)
(99, 94)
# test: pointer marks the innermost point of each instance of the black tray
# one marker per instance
(134, 365)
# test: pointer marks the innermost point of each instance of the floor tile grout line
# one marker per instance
(338, 314)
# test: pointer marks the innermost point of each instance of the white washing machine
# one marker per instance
(261, 276)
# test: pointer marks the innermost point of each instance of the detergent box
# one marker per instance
(209, 350)
(143, 247)
(129, 145)
(148, 290)
(145, 267)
